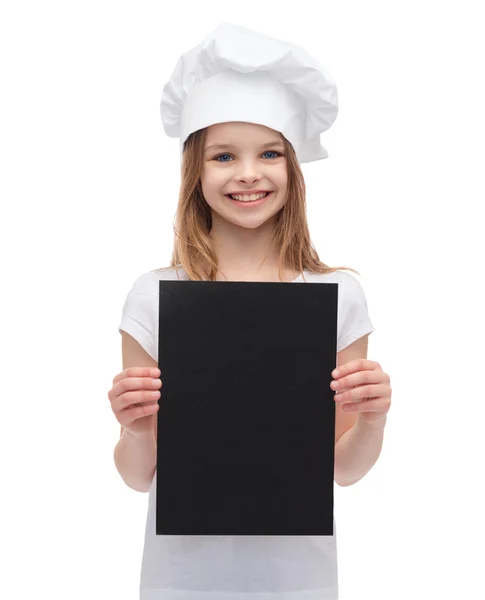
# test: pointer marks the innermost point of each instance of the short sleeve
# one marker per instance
(139, 314)
(353, 316)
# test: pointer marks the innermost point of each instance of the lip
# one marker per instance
(248, 204)
(247, 192)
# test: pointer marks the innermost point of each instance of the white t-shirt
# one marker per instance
(237, 567)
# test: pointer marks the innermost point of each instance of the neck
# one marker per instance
(242, 250)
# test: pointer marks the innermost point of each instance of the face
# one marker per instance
(239, 157)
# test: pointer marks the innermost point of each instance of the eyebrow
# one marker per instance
(267, 145)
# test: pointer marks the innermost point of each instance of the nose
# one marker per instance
(248, 172)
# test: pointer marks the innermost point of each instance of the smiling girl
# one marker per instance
(248, 110)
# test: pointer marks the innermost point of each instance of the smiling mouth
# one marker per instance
(248, 201)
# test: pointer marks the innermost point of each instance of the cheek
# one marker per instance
(280, 178)
(281, 182)
(213, 183)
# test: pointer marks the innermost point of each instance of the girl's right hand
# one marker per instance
(134, 398)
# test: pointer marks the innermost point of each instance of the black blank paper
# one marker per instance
(246, 424)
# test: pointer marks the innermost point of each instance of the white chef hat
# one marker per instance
(237, 74)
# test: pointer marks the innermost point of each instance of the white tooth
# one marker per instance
(252, 197)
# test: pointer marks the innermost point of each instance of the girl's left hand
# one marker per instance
(368, 389)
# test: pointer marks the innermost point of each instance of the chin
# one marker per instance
(251, 223)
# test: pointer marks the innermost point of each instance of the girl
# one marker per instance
(241, 217)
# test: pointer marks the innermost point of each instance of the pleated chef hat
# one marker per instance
(237, 74)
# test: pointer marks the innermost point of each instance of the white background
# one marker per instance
(89, 185)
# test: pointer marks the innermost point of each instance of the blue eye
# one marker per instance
(267, 152)
(220, 157)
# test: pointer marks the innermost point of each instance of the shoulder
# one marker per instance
(168, 273)
(145, 289)
(334, 276)
(140, 310)
(353, 320)
(349, 284)
(148, 282)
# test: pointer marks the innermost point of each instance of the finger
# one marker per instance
(137, 372)
(360, 364)
(136, 404)
(137, 383)
(136, 412)
(354, 379)
(361, 391)
(133, 383)
(137, 398)
(367, 406)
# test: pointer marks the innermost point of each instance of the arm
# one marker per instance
(357, 444)
(357, 451)
(135, 456)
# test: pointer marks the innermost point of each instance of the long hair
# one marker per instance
(193, 249)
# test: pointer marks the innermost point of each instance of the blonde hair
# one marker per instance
(193, 248)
